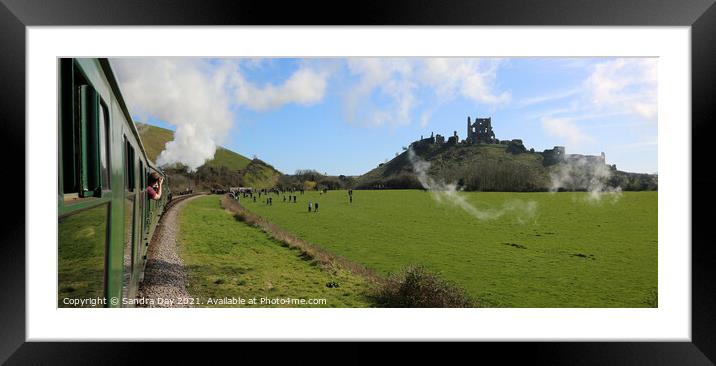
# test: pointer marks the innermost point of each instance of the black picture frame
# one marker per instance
(700, 15)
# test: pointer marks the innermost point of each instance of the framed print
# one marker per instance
(310, 181)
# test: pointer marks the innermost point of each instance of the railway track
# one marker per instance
(177, 199)
(164, 276)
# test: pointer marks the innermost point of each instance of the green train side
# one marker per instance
(105, 218)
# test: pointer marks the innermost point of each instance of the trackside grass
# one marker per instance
(571, 253)
(227, 258)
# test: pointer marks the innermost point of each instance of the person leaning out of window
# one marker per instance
(154, 190)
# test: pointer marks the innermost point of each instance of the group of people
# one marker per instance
(289, 199)
(312, 206)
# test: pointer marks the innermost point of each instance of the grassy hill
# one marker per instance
(154, 138)
(227, 168)
(474, 167)
(484, 167)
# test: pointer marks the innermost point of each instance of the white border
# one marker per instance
(671, 321)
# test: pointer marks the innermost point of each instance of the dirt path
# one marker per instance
(164, 277)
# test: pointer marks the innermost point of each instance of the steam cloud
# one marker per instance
(200, 97)
(184, 92)
(448, 193)
(583, 174)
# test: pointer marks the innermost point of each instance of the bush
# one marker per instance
(652, 300)
(516, 147)
(416, 287)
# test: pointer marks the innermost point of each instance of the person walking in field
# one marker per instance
(315, 207)
(309, 206)
(294, 199)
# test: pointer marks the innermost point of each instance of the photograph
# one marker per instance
(478, 173)
(357, 182)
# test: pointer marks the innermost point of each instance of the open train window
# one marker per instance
(142, 174)
(129, 177)
(104, 138)
(84, 135)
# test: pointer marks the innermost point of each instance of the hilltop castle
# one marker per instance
(480, 132)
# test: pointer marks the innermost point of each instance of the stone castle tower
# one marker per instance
(480, 131)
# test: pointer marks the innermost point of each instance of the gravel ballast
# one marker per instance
(164, 284)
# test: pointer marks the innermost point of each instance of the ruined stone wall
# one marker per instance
(553, 156)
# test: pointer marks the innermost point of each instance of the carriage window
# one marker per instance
(82, 239)
(90, 181)
(83, 134)
(68, 129)
(129, 181)
(141, 175)
(104, 139)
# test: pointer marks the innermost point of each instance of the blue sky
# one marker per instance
(345, 116)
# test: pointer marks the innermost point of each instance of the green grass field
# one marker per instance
(571, 253)
(228, 258)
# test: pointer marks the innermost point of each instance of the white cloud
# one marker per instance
(304, 87)
(399, 80)
(625, 84)
(566, 130)
(473, 79)
(617, 87)
(391, 78)
(199, 97)
(547, 97)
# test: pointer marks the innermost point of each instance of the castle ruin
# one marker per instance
(558, 155)
(554, 156)
(480, 132)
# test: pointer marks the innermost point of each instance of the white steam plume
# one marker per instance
(199, 97)
(581, 173)
(448, 193)
(185, 92)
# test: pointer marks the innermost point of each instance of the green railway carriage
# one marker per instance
(105, 218)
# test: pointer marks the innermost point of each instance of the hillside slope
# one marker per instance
(484, 167)
(227, 168)
(473, 167)
(155, 138)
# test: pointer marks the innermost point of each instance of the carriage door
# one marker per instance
(129, 218)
